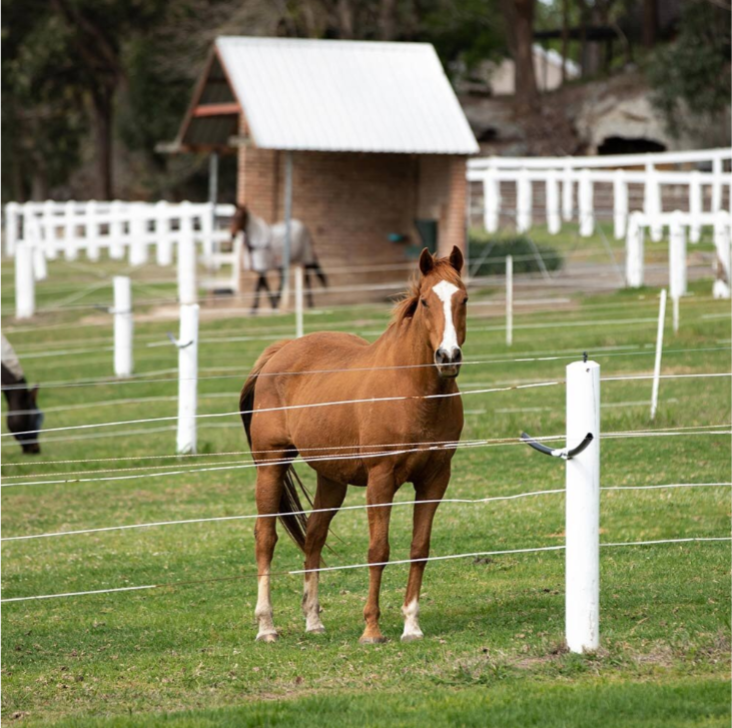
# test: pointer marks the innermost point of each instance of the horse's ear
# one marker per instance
(426, 261)
(456, 258)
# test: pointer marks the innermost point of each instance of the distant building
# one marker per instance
(501, 78)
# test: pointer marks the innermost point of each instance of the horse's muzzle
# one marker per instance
(448, 362)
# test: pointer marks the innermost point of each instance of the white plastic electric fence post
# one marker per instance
(25, 290)
(164, 245)
(187, 379)
(91, 229)
(509, 300)
(553, 219)
(677, 264)
(70, 250)
(186, 258)
(523, 201)
(116, 226)
(659, 351)
(122, 326)
(582, 585)
(567, 194)
(491, 200)
(586, 213)
(634, 251)
(695, 205)
(620, 204)
(138, 234)
(11, 227)
(299, 304)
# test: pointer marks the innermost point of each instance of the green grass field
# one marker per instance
(184, 654)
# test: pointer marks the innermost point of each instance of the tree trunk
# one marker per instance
(345, 19)
(102, 107)
(519, 19)
(565, 39)
(650, 23)
(386, 20)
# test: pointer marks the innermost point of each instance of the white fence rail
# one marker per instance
(579, 177)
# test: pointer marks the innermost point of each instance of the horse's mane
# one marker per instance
(405, 308)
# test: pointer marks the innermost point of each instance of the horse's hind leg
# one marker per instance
(270, 484)
(329, 495)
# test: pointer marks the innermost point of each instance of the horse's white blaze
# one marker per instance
(411, 623)
(445, 291)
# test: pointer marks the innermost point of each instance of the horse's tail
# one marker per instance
(294, 520)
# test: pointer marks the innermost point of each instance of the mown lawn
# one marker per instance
(185, 654)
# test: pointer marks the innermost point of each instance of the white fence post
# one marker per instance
(116, 231)
(187, 379)
(620, 204)
(49, 223)
(186, 258)
(716, 184)
(585, 194)
(582, 588)
(70, 249)
(25, 290)
(677, 264)
(567, 194)
(11, 227)
(491, 200)
(164, 246)
(138, 234)
(92, 231)
(695, 206)
(722, 242)
(553, 219)
(659, 351)
(299, 303)
(509, 300)
(35, 240)
(122, 326)
(207, 226)
(523, 201)
(652, 203)
(634, 252)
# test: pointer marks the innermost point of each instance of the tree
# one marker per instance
(519, 19)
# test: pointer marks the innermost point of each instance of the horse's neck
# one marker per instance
(406, 347)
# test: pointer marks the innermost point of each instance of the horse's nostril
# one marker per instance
(457, 356)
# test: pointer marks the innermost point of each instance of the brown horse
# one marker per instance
(284, 406)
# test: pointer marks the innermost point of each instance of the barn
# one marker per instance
(366, 139)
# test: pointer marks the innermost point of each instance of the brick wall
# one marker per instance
(352, 203)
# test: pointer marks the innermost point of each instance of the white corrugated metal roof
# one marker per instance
(324, 95)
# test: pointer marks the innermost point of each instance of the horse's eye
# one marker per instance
(424, 303)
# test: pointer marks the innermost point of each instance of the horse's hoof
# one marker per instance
(412, 637)
(268, 637)
(372, 640)
(316, 630)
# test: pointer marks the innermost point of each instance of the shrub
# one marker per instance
(525, 258)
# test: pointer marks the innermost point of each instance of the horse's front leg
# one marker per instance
(424, 513)
(308, 287)
(328, 498)
(380, 490)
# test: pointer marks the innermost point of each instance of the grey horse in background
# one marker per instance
(24, 417)
(265, 245)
